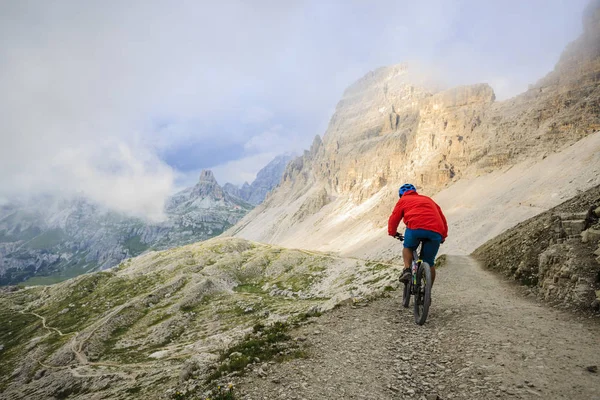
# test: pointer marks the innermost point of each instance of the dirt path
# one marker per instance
(50, 328)
(483, 340)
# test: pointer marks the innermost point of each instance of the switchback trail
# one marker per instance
(482, 340)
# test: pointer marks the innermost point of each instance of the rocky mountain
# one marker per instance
(266, 180)
(174, 323)
(392, 127)
(49, 239)
(162, 321)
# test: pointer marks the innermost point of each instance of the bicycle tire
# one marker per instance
(422, 293)
(406, 294)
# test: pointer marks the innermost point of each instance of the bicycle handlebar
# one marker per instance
(399, 236)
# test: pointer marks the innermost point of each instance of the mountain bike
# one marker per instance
(418, 286)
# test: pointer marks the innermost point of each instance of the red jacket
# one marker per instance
(419, 212)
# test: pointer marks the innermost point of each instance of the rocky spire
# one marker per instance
(206, 175)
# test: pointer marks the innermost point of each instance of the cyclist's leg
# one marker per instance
(431, 245)
(411, 242)
(407, 254)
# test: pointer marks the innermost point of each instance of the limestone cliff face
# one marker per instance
(388, 128)
(393, 126)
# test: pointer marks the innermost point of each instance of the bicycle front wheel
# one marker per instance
(423, 293)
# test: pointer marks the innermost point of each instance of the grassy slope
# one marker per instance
(198, 295)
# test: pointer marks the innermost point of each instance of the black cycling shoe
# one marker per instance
(406, 275)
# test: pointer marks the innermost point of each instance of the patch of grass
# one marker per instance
(373, 266)
(297, 282)
(218, 393)
(80, 268)
(159, 318)
(266, 343)
(302, 317)
(376, 279)
(316, 268)
(135, 245)
(248, 288)
(128, 355)
(47, 240)
(200, 304)
(133, 390)
(24, 235)
(16, 329)
(91, 296)
(441, 261)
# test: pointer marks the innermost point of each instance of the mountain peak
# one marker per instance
(206, 175)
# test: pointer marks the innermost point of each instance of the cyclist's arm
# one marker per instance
(395, 219)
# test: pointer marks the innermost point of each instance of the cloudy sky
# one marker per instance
(125, 101)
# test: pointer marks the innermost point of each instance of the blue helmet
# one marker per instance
(405, 188)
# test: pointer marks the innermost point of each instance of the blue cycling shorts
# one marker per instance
(431, 243)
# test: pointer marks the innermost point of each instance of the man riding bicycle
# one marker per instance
(424, 222)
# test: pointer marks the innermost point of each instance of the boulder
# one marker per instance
(590, 235)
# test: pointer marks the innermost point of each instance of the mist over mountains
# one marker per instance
(186, 321)
(48, 239)
(266, 179)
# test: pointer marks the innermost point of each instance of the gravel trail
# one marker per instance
(483, 340)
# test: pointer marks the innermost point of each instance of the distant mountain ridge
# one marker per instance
(266, 180)
(65, 238)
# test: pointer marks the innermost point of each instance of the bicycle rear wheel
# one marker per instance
(423, 293)
(407, 293)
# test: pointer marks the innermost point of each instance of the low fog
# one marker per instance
(124, 102)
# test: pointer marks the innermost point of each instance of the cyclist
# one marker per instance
(424, 221)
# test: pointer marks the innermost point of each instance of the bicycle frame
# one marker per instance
(415, 264)
(419, 285)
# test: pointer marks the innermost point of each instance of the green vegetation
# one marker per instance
(128, 355)
(249, 288)
(223, 393)
(377, 279)
(92, 295)
(316, 268)
(16, 329)
(441, 261)
(140, 294)
(265, 344)
(373, 266)
(48, 239)
(133, 390)
(219, 393)
(135, 245)
(72, 271)
(159, 318)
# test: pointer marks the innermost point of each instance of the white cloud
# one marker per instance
(256, 115)
(243, 170)
(82, 84)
